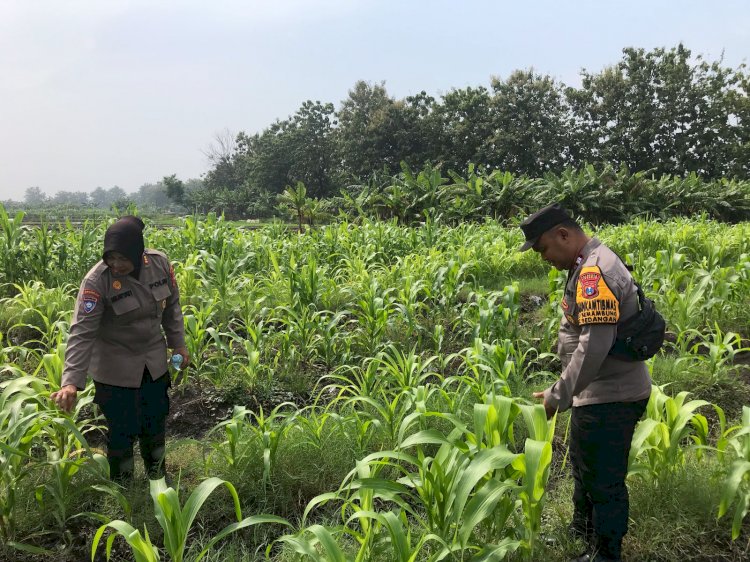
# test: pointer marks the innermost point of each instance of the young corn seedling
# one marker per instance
(736, 488)
(176, 521)
(670, 427)
(718, 355)
(233, 451)
(534, 467)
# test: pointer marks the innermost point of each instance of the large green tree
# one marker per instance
(530, 124)
(660, 110)
(465, 124)
(364, 136)
(297, 149)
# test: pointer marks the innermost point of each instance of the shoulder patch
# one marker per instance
(596, 303)
(89, 300)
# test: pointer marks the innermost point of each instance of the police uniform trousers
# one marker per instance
(600, 437)
(135, 413)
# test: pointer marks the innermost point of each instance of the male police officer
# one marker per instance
(608, 395)
(123, 304)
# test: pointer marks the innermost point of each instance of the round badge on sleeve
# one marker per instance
(164, 303)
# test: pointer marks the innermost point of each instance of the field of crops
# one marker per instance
(362, 392)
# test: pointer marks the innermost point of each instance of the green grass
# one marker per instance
(725, 389)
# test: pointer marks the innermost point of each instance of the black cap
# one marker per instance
(540, 222)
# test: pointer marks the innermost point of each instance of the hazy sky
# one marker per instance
(123, 92)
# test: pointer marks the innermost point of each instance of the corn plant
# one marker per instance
(493, 422)
(300, 335)
(671, 426)
(333, 346)
(197, 338)
(11, 241)
(410, 304)
(388, 409)
(233, 451)
(312, 427)
(736, 488)
(321, 539)
(247, 365)
(534, 466)
(487, 368)
(360, 429)
(402, 371)
(61, 485)
(455, 492)
(270, 430)
(219, 273)
(40, 311)
(373, 311)
(719, 353)
(448, 281)
(18, 426)
(353, 380)
(176, 520)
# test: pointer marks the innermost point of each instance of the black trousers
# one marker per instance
(135, 413)
(600, 436)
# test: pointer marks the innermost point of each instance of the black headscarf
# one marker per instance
(126, 237)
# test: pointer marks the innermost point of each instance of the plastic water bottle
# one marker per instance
(176, 361)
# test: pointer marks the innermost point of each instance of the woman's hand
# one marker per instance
(65, 398)
(185, 356)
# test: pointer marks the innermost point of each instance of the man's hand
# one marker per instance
(65, 398)
(547, 408)
(185, 356)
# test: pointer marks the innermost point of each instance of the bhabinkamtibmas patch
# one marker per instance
(595, 302)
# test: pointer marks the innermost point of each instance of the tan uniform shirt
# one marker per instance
(117, 324)
(599, 294)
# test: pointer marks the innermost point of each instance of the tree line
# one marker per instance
(660, 112)
(150, 196)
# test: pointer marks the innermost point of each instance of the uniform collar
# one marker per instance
(592, 244)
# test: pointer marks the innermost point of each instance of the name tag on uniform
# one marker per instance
(121, 296)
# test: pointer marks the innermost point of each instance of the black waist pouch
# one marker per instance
(642, 336)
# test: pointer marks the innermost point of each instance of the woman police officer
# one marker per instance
(124, 303)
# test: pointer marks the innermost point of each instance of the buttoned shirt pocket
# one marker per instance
(124, 308)
(161, 294)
